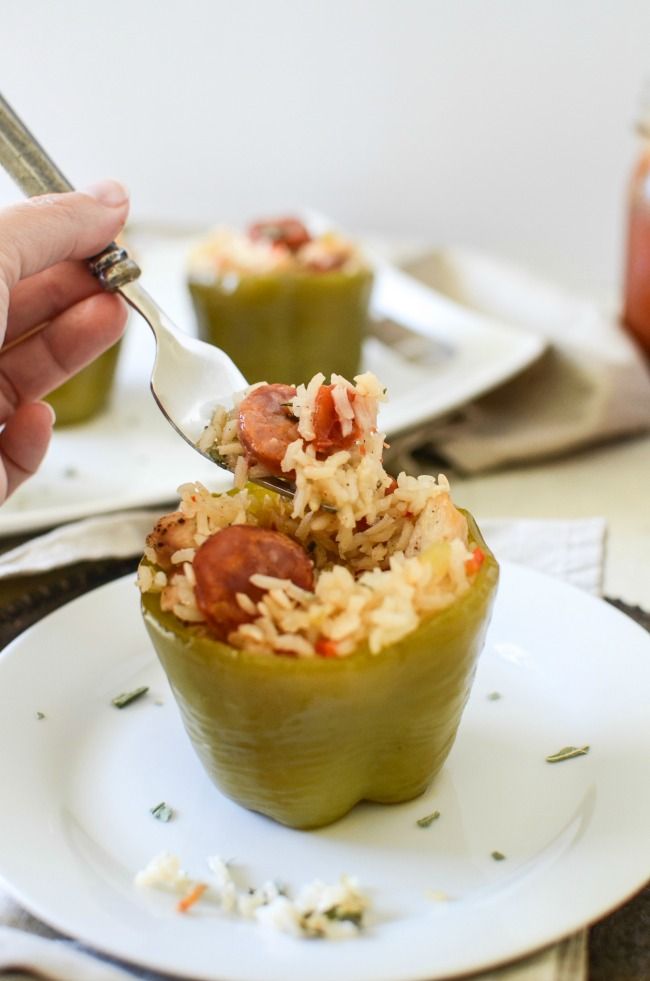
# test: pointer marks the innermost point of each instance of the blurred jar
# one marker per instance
(282, 304)
(636, 301)
(85, 394)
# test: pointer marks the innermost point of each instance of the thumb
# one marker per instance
(42, 231)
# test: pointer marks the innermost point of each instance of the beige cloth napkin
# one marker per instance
(572, 550)
(592, 385)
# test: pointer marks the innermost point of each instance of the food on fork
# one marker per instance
(281, 301)
(321, 649)
(253, 438)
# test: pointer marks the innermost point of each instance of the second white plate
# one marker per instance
(130, 457)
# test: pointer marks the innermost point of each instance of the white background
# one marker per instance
(503, 124)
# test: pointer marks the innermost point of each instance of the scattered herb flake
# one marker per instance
(40, 715)
(218, 458)
(70, 473)
(162, 812)
(428, 819)
(120, 701)
(494, 696)
(498, 856)
(341, 914)
(567, 753)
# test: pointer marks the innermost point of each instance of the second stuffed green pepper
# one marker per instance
(281, 303)
(87, 393)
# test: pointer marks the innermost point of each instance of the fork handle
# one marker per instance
(26, 161)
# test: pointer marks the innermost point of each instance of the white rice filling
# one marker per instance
(373, 581)
(381, 594)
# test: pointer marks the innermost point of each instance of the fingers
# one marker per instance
(69, 342)
(23, 444)
(47, 294)
(34, 236)
(45, 230)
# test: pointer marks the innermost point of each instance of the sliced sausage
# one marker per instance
(224, 564)
(171, 533)
(327, 426)
(267, 426)
(281, 231)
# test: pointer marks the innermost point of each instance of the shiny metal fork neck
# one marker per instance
(25, 160)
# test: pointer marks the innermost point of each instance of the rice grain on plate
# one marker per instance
(333, 911)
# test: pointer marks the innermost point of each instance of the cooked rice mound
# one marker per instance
(387, 553)
(230, 252)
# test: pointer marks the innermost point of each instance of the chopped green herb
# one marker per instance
(215, 455)
(40, 715)
(162, 812)
(70, 472)
(428, 819)
(120, 701)
(567, 753)
(342, 914)
(498, 856)
(494, 696)
(309, 928)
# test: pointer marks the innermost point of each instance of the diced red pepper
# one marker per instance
(326, 647)
(474, 564)
(191, 897)
(327, 425)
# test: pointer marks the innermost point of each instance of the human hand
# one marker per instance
(42, 279)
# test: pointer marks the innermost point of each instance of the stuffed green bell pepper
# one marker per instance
(281, 303)
(86, 394)
(320, 650)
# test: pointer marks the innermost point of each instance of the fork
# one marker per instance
(189, 377)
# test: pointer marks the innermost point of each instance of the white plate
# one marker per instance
(75, 823)
(130, 457)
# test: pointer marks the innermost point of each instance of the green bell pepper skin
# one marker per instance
(85, 394)
(302, 740)
(287, 325)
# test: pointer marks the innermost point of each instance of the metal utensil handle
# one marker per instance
(29, 165)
